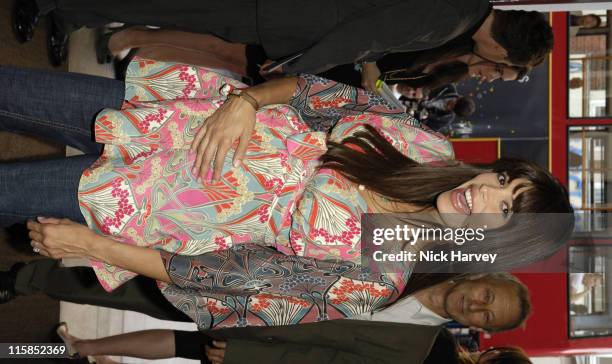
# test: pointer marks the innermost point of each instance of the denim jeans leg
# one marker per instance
(41, 188)
(57, 106)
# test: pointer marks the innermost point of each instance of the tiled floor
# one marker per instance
(28, 318)
(89, 321)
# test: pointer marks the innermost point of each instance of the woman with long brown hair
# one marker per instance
(446, 350)
(272, 235)
(421, 71)
(428, 69)
(502, 355)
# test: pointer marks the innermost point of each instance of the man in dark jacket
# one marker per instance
(363, 340)
(325, 33)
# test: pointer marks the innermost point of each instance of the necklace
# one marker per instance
(382, 197)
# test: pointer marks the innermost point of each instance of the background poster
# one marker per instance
(515, 112)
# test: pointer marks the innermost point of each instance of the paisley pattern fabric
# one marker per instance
(142, 192)
(249, 285)
(321, 102)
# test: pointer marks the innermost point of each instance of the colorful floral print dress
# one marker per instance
(215, 236)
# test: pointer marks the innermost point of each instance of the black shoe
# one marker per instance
(103, 54)
(57, 42)
(7, 283)
(24, 17)
(121, 65)
(103, 36)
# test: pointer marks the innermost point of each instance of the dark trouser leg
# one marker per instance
(41, 188)
(58, 106)
(80, 285)
(233, 20)
(190, 344)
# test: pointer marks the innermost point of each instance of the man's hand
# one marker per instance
(235, 119)
(60, 238)
(369, 75)
(216, 352)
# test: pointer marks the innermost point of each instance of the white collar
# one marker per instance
(407, 310)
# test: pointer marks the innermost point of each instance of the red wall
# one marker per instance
(546, 332)
(476, 150)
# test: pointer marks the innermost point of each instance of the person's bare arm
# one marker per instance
(63, 238)
(145, 344)
(576, 296)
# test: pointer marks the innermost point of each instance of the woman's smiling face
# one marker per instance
(485, 199)
(489, 71)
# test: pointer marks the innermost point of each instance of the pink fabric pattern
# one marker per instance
(142, 191)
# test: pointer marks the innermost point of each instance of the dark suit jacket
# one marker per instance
(329, 342)
(344, 31)
(329, 32)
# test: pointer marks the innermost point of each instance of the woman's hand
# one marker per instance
(235, 119)
(369, 75)
(60, 238)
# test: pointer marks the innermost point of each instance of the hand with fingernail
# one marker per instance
(234, 120)
(59, 238)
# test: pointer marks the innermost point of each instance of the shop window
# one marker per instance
(590, 176)
(589, 308)
(589, 64)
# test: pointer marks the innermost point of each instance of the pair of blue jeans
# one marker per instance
(60, 107)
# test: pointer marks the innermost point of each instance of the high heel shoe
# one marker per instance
(121, 65)
(62, 331)
(103, 54)
(103, 36)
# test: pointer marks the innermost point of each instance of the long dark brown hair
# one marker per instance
(410, 66)
(506, 355)
(440, 75)
(447, 349)
(368, 159)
